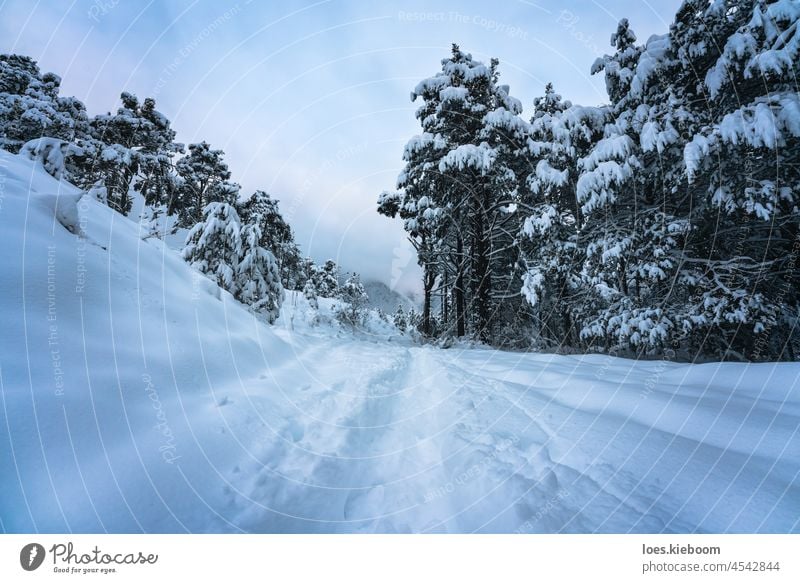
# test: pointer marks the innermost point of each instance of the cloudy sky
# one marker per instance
(310, 100)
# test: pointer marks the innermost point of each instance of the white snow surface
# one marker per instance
(137, 396)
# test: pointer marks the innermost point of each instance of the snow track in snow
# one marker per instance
(415, 439)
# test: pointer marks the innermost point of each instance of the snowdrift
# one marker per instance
(112, 350)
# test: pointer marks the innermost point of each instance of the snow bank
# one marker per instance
(114, 356)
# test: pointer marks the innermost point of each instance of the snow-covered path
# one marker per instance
(398, 438)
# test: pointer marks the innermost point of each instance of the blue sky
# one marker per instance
(310, 100)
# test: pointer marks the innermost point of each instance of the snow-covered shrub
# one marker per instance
(51, 153)
(310, 293)
(99, 192)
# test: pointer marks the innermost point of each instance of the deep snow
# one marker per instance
(136, 396)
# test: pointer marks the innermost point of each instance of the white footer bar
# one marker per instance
(402, 558)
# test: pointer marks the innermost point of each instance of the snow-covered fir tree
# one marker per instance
(214, 245)
(277, 236)
(258, 282)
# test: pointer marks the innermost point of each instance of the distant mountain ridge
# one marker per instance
(382, 297)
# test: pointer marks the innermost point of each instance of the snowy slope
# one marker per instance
(138, 397)
(109, 362)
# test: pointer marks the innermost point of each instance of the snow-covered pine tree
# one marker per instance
(355, 300)
(399, 319)
(258, 281)
(205, 178)
(414, 320)
(156, 150)
(109, 154)
(633, 221)
(690, 197)
(132, 148)
(416, 205)
(326, 279)
(214, 245)
(31, 108)
(507, 134)
(559, 135)
(52, 153)
(277, 236)
(620, 67)
(291, 267)
(467, 92)
(305, 271)
(739, 68)
(421, 221)
(449, 187)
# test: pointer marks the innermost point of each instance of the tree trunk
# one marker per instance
(567, 340)
(428, 279)
(481, 284)
(445, 289)
(459, 288)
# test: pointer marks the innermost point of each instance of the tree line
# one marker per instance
(664, 222)
(241, 242)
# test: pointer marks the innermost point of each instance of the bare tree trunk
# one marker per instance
(445, 288)
(459, 289)
(481, 284)
(428, 279)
